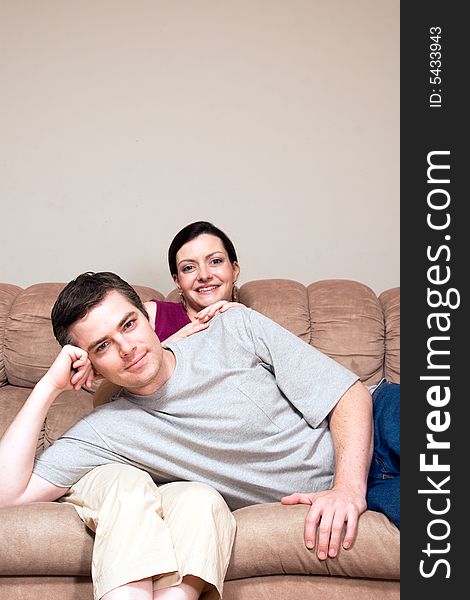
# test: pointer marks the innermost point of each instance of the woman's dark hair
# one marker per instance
(82, 294)
(193, 230)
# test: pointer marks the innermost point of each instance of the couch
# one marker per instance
(45, 550)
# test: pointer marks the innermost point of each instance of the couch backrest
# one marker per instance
(345, 319)
(8, 294)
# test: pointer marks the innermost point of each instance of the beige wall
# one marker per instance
(123, 120)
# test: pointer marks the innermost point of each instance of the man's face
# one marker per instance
(122, 346)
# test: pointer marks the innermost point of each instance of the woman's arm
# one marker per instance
(201, 320)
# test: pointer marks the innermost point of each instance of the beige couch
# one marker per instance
(45, 550)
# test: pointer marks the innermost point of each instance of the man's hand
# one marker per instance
(351, 429)
(329, 511)
(70, 370)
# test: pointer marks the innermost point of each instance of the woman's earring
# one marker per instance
(183, 301)
(234, 293)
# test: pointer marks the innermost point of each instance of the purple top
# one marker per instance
(171, 316)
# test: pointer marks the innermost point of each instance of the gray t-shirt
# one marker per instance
(244, 411)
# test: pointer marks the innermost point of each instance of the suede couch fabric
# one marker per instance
(45, 549)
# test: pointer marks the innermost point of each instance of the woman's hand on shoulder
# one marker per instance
(210, 311)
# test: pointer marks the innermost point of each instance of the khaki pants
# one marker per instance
(144, 530)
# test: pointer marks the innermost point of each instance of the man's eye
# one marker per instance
(102, 347)
(129, 324)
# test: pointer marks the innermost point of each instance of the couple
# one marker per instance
(229, 408)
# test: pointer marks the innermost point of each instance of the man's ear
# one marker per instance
(97, 376)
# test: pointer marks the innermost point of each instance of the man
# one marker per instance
(244, 406)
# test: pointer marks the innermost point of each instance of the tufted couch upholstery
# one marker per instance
(45, 550)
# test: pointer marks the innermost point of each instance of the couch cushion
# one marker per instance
(270, 541)
(298, 587)
(30, 346)
(65, 411)
(390, 301)
(45, 538)
(348, 325)
(282, 300)
(12, 399)
(8, 294)
(147, 293)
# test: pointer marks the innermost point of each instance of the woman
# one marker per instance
(121, 503)
(204, 267)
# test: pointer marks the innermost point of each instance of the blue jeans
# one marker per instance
(383, 485)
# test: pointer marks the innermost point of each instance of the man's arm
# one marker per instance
(351, 427)
(70, 370)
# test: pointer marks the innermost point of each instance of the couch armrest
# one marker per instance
(269, 541)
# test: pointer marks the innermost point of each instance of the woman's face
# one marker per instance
(205, 273)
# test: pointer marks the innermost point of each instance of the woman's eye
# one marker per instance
(187, 268)
(216, 261)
